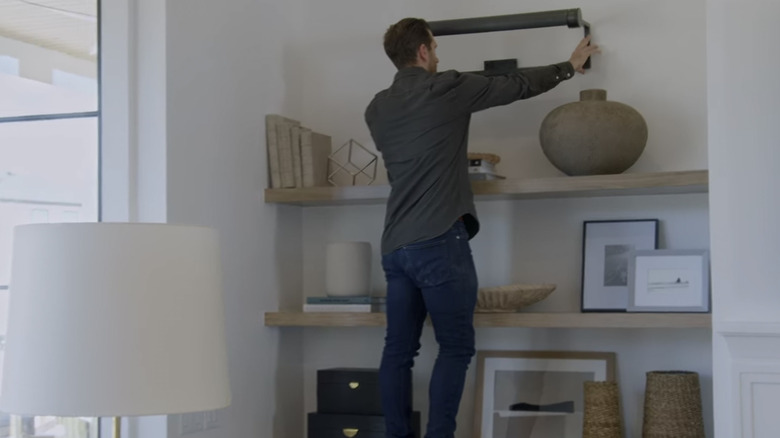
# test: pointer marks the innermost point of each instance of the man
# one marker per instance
(420, 125)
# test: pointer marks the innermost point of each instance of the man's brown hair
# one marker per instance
(404, 38)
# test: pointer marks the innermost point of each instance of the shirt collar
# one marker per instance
(412, 71)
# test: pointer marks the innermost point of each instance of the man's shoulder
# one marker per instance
(378, 97)
(447, 74)
(383, 94)
(452, 78)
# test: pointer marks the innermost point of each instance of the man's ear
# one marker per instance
(423, 54)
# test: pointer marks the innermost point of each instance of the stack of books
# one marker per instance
(363, 303)
(297, 156)
(482, 167)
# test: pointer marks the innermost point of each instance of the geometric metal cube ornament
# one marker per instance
(350, 163)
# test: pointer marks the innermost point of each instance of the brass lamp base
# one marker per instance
(117, 423)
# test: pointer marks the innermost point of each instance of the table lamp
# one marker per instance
(114, 319)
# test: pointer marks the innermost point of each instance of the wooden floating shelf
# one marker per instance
(528, 320)
(625, 184)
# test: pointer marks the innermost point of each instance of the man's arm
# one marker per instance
(475, 92)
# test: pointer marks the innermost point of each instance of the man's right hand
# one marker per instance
(581, 54)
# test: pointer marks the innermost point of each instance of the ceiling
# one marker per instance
(67, 26)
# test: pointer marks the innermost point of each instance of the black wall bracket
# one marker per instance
(571, 18)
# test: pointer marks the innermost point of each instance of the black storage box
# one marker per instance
(349, 391)
(358, 426)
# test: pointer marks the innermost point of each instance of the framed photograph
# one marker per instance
(669, 281)
(528, 394)
(606, 246)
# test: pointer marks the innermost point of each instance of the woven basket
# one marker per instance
(673, 405)
(602, 411)
(512, 297)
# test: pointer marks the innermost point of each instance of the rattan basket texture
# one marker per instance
(602, 418)
(673, 405)
(512, 297)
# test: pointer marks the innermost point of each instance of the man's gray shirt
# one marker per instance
(420, 125)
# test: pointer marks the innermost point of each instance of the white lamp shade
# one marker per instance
(109, 319)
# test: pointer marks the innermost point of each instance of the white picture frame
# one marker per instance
(669, 281)
(606, 248)
(525, 394)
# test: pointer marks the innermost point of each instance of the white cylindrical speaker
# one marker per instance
(348, 269)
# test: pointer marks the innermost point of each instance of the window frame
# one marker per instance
(102, 427)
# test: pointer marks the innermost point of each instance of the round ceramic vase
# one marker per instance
(593, 136)
(347, 269)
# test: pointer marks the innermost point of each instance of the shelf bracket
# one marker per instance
(571, 18)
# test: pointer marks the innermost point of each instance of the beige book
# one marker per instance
(295, 141)
(284, 140)
(273, 151)
(278, 159)
(315, 149)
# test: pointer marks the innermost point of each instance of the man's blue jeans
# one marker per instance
(435, 277)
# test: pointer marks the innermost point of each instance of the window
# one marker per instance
(49, 151)
(9, 65)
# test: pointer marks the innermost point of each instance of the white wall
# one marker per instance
(743, 129)
(654, 60)
(744, 146)
(224, 73)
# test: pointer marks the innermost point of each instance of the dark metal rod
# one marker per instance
(586, 26)
(563, 17)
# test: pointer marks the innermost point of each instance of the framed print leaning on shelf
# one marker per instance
(526, 394)
(669, 281)
(606, 246)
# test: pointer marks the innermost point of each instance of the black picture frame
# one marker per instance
(606, 248)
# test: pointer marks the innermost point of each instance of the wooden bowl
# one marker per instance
(512, 297)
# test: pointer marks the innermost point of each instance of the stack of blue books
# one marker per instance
(363, 303)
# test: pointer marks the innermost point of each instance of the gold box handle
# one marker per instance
(349, 433)
(354, 385)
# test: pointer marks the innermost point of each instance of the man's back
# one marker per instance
(420, 125)
(421, 129)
